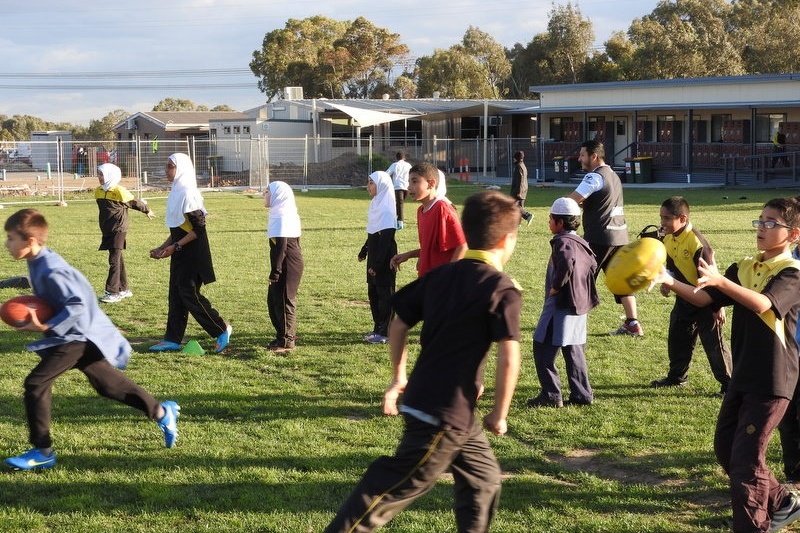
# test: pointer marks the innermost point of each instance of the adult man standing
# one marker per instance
(600, 194)
(519, 185)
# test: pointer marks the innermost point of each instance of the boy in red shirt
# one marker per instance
(441, 239)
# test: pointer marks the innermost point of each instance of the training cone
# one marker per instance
(193, 348)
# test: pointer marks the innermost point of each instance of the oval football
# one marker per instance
(15, 312)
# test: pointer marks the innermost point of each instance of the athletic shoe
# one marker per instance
(169, 423)
(281, 349)
(544, 401)
(223, 339)
(528, 218)
(374, 338)
(126, 293)
(165, 346)
(632, 328)
(400, 224)
(367, 336)
(33, 459)
(666, 382)
(786, 514)
(110, 298)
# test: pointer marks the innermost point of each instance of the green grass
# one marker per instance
(274, 443)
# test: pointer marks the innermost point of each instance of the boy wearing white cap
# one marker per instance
(570, 294)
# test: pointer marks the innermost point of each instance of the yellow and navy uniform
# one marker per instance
(113, 206)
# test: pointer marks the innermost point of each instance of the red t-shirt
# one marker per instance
(439, 233)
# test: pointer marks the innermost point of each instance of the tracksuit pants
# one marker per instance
(425, 452)
(104, 378)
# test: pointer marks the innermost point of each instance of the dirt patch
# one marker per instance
(623, 471)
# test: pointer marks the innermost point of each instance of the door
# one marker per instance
(621, 140)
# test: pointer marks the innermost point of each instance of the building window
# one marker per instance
(557, 127)
(717, 125)
(226, 130)
(767, 125)
(246, 129)
(237, 130)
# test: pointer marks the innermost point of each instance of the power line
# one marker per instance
(199, 73)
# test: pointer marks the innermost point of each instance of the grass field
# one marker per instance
(273, 443)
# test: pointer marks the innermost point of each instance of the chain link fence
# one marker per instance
(54, 167)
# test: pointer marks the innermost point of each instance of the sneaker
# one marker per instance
(126, 293)
(632, 328)
(281, 349)
(400, 225)
(581, 402)
(667, 382)
(33, 459)
(528, 218)
(110, 298)
(223, 339)
(169, 423)
(544, 401)
(786, 514)
(374, 338)
(165, 346)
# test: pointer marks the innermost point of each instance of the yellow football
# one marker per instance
(634, 265)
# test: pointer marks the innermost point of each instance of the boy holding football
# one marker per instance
(79, 335)
(764, 291)
(685, 247)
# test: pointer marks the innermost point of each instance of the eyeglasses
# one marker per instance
(768, 224)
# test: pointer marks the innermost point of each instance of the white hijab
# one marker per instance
(441, 188)
(283, 218)
(382, 208)
(112, 175)
(184, 196)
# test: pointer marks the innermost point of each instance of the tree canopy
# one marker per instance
(328, 58)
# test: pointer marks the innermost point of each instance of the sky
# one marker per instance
(67, 61)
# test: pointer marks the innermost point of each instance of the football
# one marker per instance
(635, 265)
(15, 312)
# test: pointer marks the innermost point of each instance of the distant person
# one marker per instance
(113, 202)
(399, 174)
(441, 239)
(464, 307)
(378, 252)
(519, 184)
(764, 290)
(190, 260)
(570, 294)
(685, 247)
(286, 265)
(79, 336)
(779, 144)
(604, 227)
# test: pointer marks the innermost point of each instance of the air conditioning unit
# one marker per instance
(293, 93)
(495, 121)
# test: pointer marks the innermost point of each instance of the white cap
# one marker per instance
(565, 206)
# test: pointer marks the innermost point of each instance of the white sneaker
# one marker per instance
(111, 298)
(126, 293)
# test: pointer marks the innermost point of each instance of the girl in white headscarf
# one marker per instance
(378, 251)
(286, 264)
(113, 202)
(191, 265)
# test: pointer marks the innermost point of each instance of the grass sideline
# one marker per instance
(274, 443)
